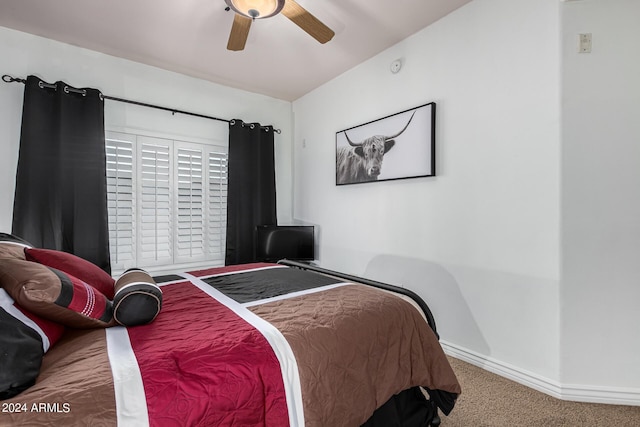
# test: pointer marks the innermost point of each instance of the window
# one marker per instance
(167, 202)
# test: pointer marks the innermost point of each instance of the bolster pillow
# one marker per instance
(137, 299)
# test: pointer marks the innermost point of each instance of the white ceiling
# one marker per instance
(190, 36)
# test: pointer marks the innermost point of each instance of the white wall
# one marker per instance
(480, 242)
(600, 295)
(526, 244)
(25, 54)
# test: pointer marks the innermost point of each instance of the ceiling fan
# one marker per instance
(249, 10)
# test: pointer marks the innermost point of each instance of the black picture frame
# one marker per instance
(398, 146)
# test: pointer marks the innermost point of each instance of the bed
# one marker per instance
(262, 344)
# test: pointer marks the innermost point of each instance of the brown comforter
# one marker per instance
(362, 346)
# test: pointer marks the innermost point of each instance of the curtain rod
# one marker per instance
(9, 79)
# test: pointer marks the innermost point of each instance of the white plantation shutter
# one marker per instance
(217, 206)
(167, 202)
(190, 232)
(120, 199)
(155, 214)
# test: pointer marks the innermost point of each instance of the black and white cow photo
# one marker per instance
(395, 147)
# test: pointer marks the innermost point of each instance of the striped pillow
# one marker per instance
(55, 295)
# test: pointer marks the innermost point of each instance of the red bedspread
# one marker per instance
(202, 364)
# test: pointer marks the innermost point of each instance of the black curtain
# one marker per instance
(61, 190)
(251, 196)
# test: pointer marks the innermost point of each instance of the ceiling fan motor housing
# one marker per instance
(256, 8)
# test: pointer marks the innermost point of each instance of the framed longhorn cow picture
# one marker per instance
(398, 146)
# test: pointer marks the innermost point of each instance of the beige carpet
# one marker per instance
(490, 400)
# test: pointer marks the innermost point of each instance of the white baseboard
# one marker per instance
(570, 392)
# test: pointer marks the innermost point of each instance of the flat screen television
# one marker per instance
(276, 242)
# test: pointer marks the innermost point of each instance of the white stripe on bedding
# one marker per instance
(131, 403)
(228, 273)
(281, 348)
(6, 302)
(172, 282)
(295, 294)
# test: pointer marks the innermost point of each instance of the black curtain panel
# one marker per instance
(61, 190)
(251, 196)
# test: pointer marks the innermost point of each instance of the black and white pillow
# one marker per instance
(24, 339)
(137, 300)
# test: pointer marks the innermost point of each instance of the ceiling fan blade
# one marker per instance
(239, 32)
(307, 21)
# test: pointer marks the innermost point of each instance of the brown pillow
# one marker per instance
(12, 246)
(55, 295)
(11, 250)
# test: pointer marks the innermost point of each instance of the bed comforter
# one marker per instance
(250, 345)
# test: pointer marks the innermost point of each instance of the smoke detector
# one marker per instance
(396, 66)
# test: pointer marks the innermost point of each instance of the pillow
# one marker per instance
(74, 265)
(138, 299)
(24, 338)
(55, 295)
(12, 246)
(11, 238)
